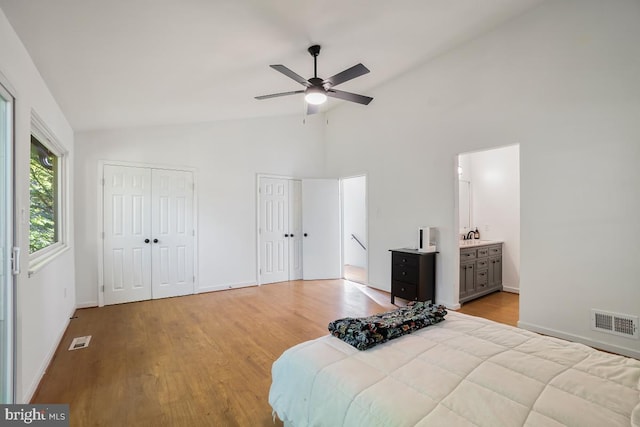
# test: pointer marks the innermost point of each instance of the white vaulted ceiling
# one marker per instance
(122, 63)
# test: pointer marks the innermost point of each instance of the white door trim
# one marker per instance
(100, 219)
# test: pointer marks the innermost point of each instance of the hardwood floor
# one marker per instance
(501, 307)
(199, 360)
(355, 274)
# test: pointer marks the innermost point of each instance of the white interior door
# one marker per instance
(273, 226)
(295, 229)
(173, 233)
(321, 229)
(7, 297)
(127, 234)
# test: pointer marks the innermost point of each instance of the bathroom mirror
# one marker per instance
(464, 195)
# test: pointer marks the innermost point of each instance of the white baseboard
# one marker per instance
(510, 289)
(87, 304)
(28, 395)
(452, 306)
(213, 288)
(580, 339)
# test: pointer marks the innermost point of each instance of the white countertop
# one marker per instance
(474, 243)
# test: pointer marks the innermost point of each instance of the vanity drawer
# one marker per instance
(467, 254)
(405, 273)
(405, 290)
(483, 252)
(495, 250)
(482, 278)
(482, 263)
(400, 258)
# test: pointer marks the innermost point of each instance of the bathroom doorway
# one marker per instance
(354, 229)
(489, 200)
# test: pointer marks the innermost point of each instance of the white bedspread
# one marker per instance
(463, 371)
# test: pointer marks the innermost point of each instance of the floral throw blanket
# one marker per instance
(366, 332)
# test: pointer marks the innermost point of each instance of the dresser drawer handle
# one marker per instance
(404, 273)
(402, 289)
(404, 260)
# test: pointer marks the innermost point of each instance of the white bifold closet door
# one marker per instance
(280, 218)
(148, 233)
(321, 224)
(299, 229)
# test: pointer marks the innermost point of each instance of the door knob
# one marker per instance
(146, 240)
(286, 235)
(292, 235)
(155, 240)
(305, 234)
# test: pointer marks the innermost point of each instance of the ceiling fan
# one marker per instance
(317, 90)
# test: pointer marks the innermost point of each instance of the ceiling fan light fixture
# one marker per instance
(315, 96)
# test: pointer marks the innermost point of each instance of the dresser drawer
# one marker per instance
(405, 273)
(404, 290)
(467, 254)
(400, 258)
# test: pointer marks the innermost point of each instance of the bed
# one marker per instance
(463, 371)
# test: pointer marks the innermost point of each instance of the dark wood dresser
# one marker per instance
(413, 275)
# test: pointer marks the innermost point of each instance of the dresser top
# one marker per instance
(412, 251)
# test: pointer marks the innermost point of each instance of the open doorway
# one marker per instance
(489, 203)
(354, 229)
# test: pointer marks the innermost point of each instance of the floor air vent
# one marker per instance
(80, 342)
(615, 323)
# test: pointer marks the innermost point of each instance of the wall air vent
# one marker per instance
(614, 323)
(80, 342)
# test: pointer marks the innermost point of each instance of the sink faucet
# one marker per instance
(470, 235)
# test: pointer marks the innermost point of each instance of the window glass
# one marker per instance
(44, 212)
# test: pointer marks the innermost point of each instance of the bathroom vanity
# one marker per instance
(480, 268)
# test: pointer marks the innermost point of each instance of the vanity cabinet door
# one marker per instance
(467, 279)
(495, 271)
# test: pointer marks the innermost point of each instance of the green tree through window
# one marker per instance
(43, 176)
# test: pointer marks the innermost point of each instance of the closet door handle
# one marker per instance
(146, 240)
(155, 240)
(286, 235)
(292, 235)
(305, 234)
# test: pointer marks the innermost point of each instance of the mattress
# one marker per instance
(464, 371)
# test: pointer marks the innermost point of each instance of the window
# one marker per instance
(43, 190)
(46, 195)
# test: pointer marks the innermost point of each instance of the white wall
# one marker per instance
(226, 157)
(354, 221)
(495, 183)
(562, 81)
(46, 300)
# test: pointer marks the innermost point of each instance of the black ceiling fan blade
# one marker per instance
(275, 95)
(292, 75)
(346, 75)
(312, 109)
(348, 96)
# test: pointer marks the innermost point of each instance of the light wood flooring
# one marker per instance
(199, 360)
(503, 307)
(355, 273)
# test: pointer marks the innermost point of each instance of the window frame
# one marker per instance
(46, 137)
